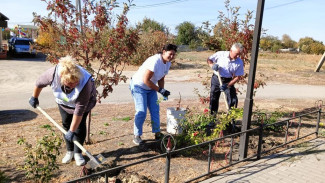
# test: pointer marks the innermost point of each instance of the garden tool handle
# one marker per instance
(63, 130)
(223, 92)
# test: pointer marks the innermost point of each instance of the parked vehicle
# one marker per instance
(18, 46)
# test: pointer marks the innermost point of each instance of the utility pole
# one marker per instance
(78, 7)
(248, 105)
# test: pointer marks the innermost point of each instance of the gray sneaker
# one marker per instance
(137, 140)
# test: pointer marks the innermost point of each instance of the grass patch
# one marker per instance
(302, 145)
(126, 119)
(322, 133)
(103, 133)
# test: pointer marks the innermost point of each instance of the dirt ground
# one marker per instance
(112, 136)
(112, 126)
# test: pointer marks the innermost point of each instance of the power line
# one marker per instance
(159, 4)
(285, 4)
(277, 6)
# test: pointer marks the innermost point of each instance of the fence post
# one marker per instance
(260, 141)
(318, 120)
(168, 149)
(298, 133)
(231, 149)
(286, 136)
(209, 157)
(167, 167)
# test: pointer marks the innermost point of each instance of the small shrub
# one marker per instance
(3, 177)
(227, 118)
(196, 126)
(269, 119)
(40, 161)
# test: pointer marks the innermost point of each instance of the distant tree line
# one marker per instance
(217, 37)
(213, 37)
(221, 35)
(306, 45)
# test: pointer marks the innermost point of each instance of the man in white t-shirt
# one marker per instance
(143, 86)
(231, 68)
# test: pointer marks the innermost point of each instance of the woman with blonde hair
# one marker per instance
(74, 91)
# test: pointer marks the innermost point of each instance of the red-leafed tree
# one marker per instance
(232, 29)
(101, 43)
(236, 30)
(100, 46)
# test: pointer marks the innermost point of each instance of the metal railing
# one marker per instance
(259, 130)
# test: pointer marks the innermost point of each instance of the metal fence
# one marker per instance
(259, 152)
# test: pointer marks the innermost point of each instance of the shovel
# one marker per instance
(94, 162)
(225, 97)
(223, 93)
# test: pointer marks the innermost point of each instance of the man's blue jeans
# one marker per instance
(144, 99)
(215, 94)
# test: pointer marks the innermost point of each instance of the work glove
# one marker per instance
(69, 136)
(33, 102)
(164, 93)
(224, 87)
(215, 67)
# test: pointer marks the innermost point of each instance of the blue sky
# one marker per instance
(297, 18)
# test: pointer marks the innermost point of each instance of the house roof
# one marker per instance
(26, 26)
(3, 17)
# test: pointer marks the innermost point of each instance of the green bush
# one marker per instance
(40, 161)
(196, 126)
(269, 119)
(3, 177)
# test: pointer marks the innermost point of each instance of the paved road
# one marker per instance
(17, 78)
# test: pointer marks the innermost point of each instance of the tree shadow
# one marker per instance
(15, 174)
(39, 57)
(12, 174)
(183, 66)
(16, 116)
(113, 158)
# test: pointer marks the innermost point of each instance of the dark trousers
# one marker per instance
(80, 133)
(215, 94)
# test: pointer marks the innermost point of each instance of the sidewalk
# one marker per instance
(305, 163)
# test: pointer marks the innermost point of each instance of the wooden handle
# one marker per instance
(223, 92)
(63, 131)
